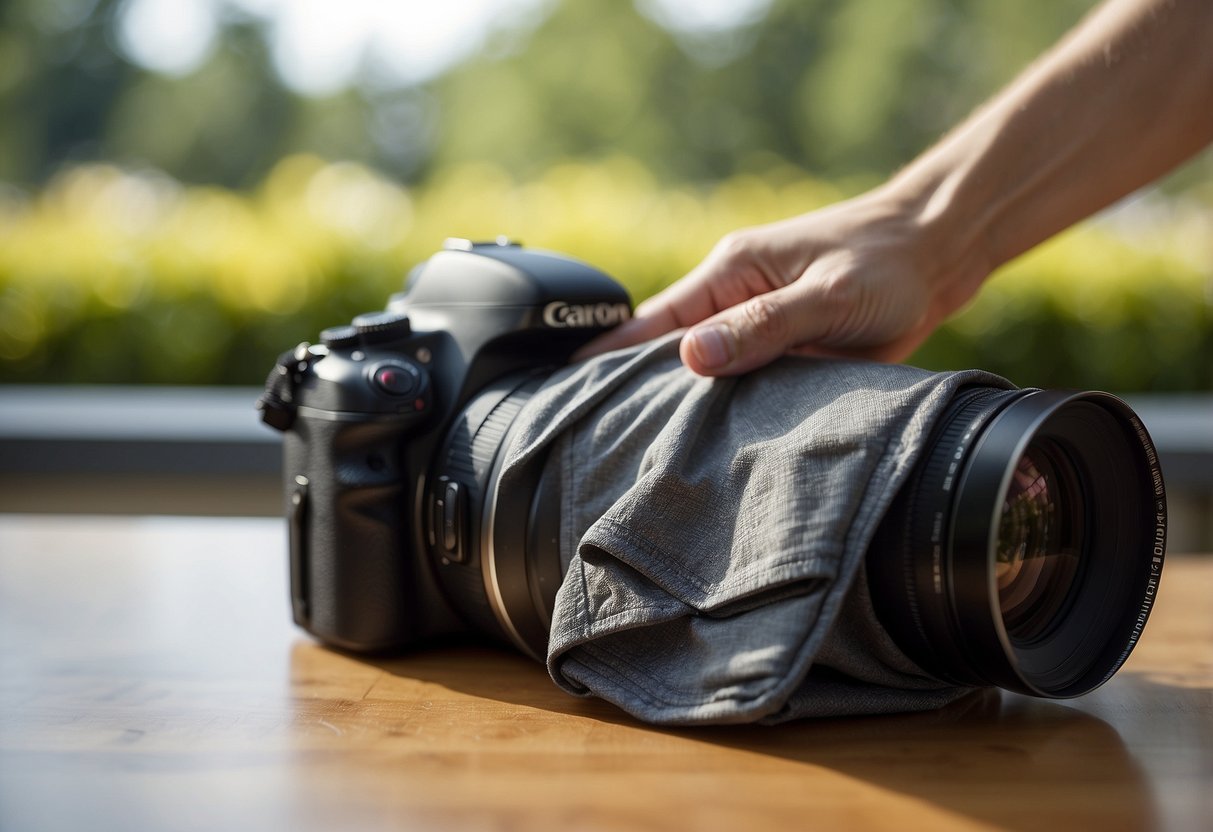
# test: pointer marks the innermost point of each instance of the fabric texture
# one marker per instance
(715, 529)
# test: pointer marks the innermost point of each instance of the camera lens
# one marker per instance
(1025, 549)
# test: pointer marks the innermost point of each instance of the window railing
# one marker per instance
(203, 450)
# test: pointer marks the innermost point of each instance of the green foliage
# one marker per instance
(598, 130)
(840, 87)
(113, 276)
(1093, 309)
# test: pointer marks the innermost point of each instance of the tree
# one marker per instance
(841, 87)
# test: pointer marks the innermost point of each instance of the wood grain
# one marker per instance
(150, 679)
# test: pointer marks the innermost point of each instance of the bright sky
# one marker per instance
(319, 45)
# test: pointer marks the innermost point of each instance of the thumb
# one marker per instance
(752, 334)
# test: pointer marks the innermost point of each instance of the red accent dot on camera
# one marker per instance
(419, 404)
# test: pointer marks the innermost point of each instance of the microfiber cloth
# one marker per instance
(715, 530)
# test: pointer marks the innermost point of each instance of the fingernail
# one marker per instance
(711, 345)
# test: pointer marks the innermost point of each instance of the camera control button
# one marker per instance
(397, 379)
(450, 516)
(449, 509)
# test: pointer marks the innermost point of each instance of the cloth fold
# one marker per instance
(714, 531)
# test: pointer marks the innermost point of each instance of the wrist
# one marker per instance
(950, 247)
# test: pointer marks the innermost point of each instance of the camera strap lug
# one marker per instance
(277, 403)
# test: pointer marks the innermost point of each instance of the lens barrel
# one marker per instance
(1026, 547)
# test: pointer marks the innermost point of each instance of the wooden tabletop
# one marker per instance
(150, 679)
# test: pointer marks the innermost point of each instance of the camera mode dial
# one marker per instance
(336, 337)
(382, 327)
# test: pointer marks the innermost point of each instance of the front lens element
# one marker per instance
(1037, 554)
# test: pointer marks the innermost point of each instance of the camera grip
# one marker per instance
(346, 492)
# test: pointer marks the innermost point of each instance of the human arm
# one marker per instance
(1125, 97)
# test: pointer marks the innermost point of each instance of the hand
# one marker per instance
(864, 278)
(1102, 114)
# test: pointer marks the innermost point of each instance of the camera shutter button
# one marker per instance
(397, 379)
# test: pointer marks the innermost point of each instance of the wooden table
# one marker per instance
(150, 679)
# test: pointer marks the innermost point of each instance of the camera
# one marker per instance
(1023, 551)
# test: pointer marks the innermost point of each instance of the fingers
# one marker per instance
(734, 341)
(737, 325)
(846, 280)
(744, 305)
(635, 331)
(718, 282)
(675, 307)
(738, 339)
(756, 332)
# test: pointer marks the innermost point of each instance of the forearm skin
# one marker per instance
(1126, 97)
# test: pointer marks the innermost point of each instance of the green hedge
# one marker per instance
(117, 276)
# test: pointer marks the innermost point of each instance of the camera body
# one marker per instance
(383, 423)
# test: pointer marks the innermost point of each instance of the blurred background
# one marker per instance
(189, 187)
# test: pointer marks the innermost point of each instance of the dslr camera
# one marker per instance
(1024, 550)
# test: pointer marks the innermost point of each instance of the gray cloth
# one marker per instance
(715, 528)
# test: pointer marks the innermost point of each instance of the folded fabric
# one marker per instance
(715, 529)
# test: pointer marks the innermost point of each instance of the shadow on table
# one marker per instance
(1000, 759)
